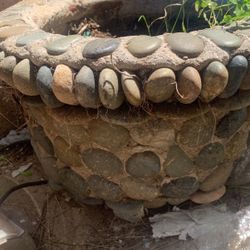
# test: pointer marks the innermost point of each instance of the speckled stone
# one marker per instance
(237, 69)
(100, 47)
(188, 85)
(144, 164)
(44, 81)
(222, 38)
(7, 66)
(102, 162)
(139, 190)
(86, 88)
(104, 189)
(132, 89)
(63, 85)
(214, 81)
(31, 37)
(110, 89)
(210, 156)
(245, 84)
(185, 44)
(182, 187)
(24, 78)
(61, 45)
(131, 211)
(6, 32)
(197, 131)
(110, 136)
(142, 46)
(230, 123)
(209, 197)
(160, 85)
(177, 164)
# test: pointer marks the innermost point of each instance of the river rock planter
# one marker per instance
(135, 121)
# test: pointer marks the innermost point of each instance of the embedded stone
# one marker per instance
(176, 201)
(160, 85)
(182, 187)
(6, 32)
(44, 80)
(24, 78)
(7, 66)
(210, 156)
(245, 84)
(131, 211)
(139, 190)
(110, 136)
(156, 133)
(86, 88)
(100, 47)
(132, 89)
(62, 85)
(102, 162)
(214, 81)
(156, 203)
(185, 44)
(197, 131)
(61, 45)
(31, 37)
(177, 164)
(218, 177)
(244, 31)
(32, 101)
(208, 197)
(142, 46)
(11, 22)
(222, 38)
(104, 189)
(110, 89)
(2, 55)
(144, 164)
(230, 123)
(188, 85)
(237, 69)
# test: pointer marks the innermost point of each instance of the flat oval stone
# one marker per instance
(180, 188)
(245, 84)
(142, 46)
(156, 203)
(185, 44)
(160, 85)
(237, 69)
(222, 38)
(13, 31)
(210, 156)
(31, 37)
(110, 89)
(188, 85)
(61, 45)
(132, 89)
(44, 80)
(7, 66)
(145, 164)
(205, 198)
(24, 78)
(63, 85)
(214, 81)
(104, 189)
(230, 123)
(86, 88)
(100, 47)
(102, 162)
(178, 164)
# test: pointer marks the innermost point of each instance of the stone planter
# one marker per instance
(135, 121)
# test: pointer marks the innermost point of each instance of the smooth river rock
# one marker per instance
(110, 89)
(160, 85)
(142, 46)
(6, 32)
(100, 47)
(245, 84)
(44, 80)
(222, 38)
(185, 44)
(86, 88)
(214, 81)
(63, 85)
(31, 37)
(188, 85)
(237, 69)
(7, 66)
(24, 78)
